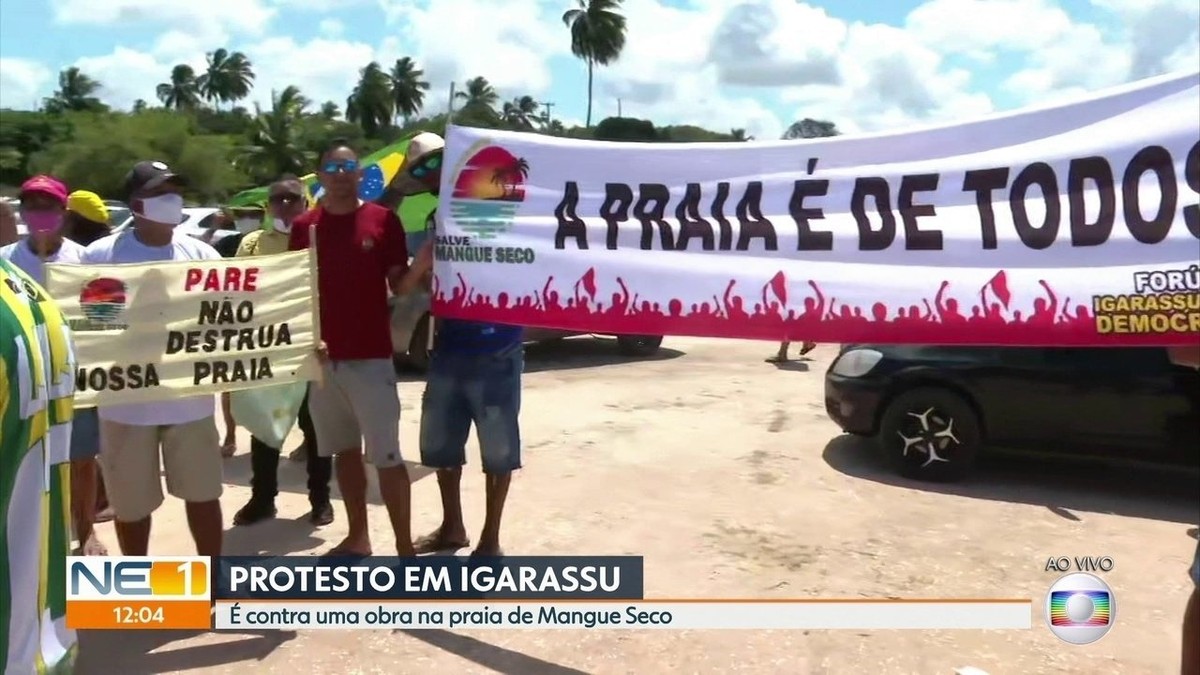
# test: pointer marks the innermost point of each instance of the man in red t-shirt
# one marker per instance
(360, 254)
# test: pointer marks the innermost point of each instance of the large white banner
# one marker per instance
(157, 331)
(1076, 224)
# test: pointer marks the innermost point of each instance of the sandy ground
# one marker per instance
(725, 473)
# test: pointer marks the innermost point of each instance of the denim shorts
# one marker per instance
(85, 433)
(485, 390)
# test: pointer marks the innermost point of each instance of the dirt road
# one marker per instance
(725, 473)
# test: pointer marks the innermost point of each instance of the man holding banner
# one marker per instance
(360, 252)
(286, 203)
(474, 378)
(184, 430)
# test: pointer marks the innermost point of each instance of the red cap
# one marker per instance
(47, 186)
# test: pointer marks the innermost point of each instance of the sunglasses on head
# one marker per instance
(340, 166)
(284, 199)
(427, 166)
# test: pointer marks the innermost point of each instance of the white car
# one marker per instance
(196, 222)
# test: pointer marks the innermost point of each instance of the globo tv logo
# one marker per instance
(138, 577)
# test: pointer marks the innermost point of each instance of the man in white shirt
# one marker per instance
(44, 204)
(183, 429)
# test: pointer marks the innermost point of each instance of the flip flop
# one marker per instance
(434, 543)
(776, 359)
(341, 552)
(228, 450)
(807, 347)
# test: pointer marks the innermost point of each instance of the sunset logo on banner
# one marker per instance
(488, 189)
(102, 300)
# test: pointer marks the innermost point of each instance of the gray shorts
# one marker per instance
(356, 405)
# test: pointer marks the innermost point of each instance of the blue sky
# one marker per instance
(754, 64)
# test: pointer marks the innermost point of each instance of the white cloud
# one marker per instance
(208, 20)
(716, 63)
(23, 83)
(331, 28)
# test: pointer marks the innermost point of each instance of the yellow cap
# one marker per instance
(89, 205)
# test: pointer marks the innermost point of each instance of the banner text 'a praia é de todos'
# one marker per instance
(1070, 225)
(156, 331)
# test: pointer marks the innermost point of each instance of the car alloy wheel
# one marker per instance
(929, 434)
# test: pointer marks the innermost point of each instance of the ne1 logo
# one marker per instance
(137, 577)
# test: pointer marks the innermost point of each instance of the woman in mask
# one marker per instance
(44, 205)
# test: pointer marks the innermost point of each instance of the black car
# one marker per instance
(933, 408)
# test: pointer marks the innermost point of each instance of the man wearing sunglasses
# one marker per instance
(360, 252)
(285, 203)
(474, 378)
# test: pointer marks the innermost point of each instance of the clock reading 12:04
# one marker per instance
(138, 614)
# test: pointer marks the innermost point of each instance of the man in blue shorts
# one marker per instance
(474, 378)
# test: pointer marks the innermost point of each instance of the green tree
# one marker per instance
(597, 36)
(139, 106)
(521, 113)
(371, 103)
(182, 92)
(810, 128)
(23, 134)
(479, 94)
(275, 146)
(76, 92)
(229, 77)
(103, 146)
(330, 110)
(625, 129)
(408, 88)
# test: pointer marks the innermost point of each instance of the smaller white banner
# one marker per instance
(630, 615)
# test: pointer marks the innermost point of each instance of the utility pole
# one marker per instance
(450, 104)
(548, 106)
(619, 108)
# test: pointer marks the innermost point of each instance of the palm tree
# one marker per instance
(140, 105)
(228, 77)
(521, 112)
(76, 91)
(740, 135)
(330, 111)
(512, 175)
(408, 88)
(183, 91)
(371, 103)
(275, 147)
(478, 95)
(597, 36)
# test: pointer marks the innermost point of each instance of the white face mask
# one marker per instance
(281, 226)
(166, 209)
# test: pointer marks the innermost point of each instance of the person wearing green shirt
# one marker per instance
(37, 390)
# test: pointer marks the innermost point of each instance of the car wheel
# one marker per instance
(931, 434)
(418, 345)
(639, 345)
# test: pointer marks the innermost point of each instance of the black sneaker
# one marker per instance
(254, 511)
(321, 514)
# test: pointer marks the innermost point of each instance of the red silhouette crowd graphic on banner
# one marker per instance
(821, 318)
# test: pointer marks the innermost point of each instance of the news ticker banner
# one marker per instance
(592, 592)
